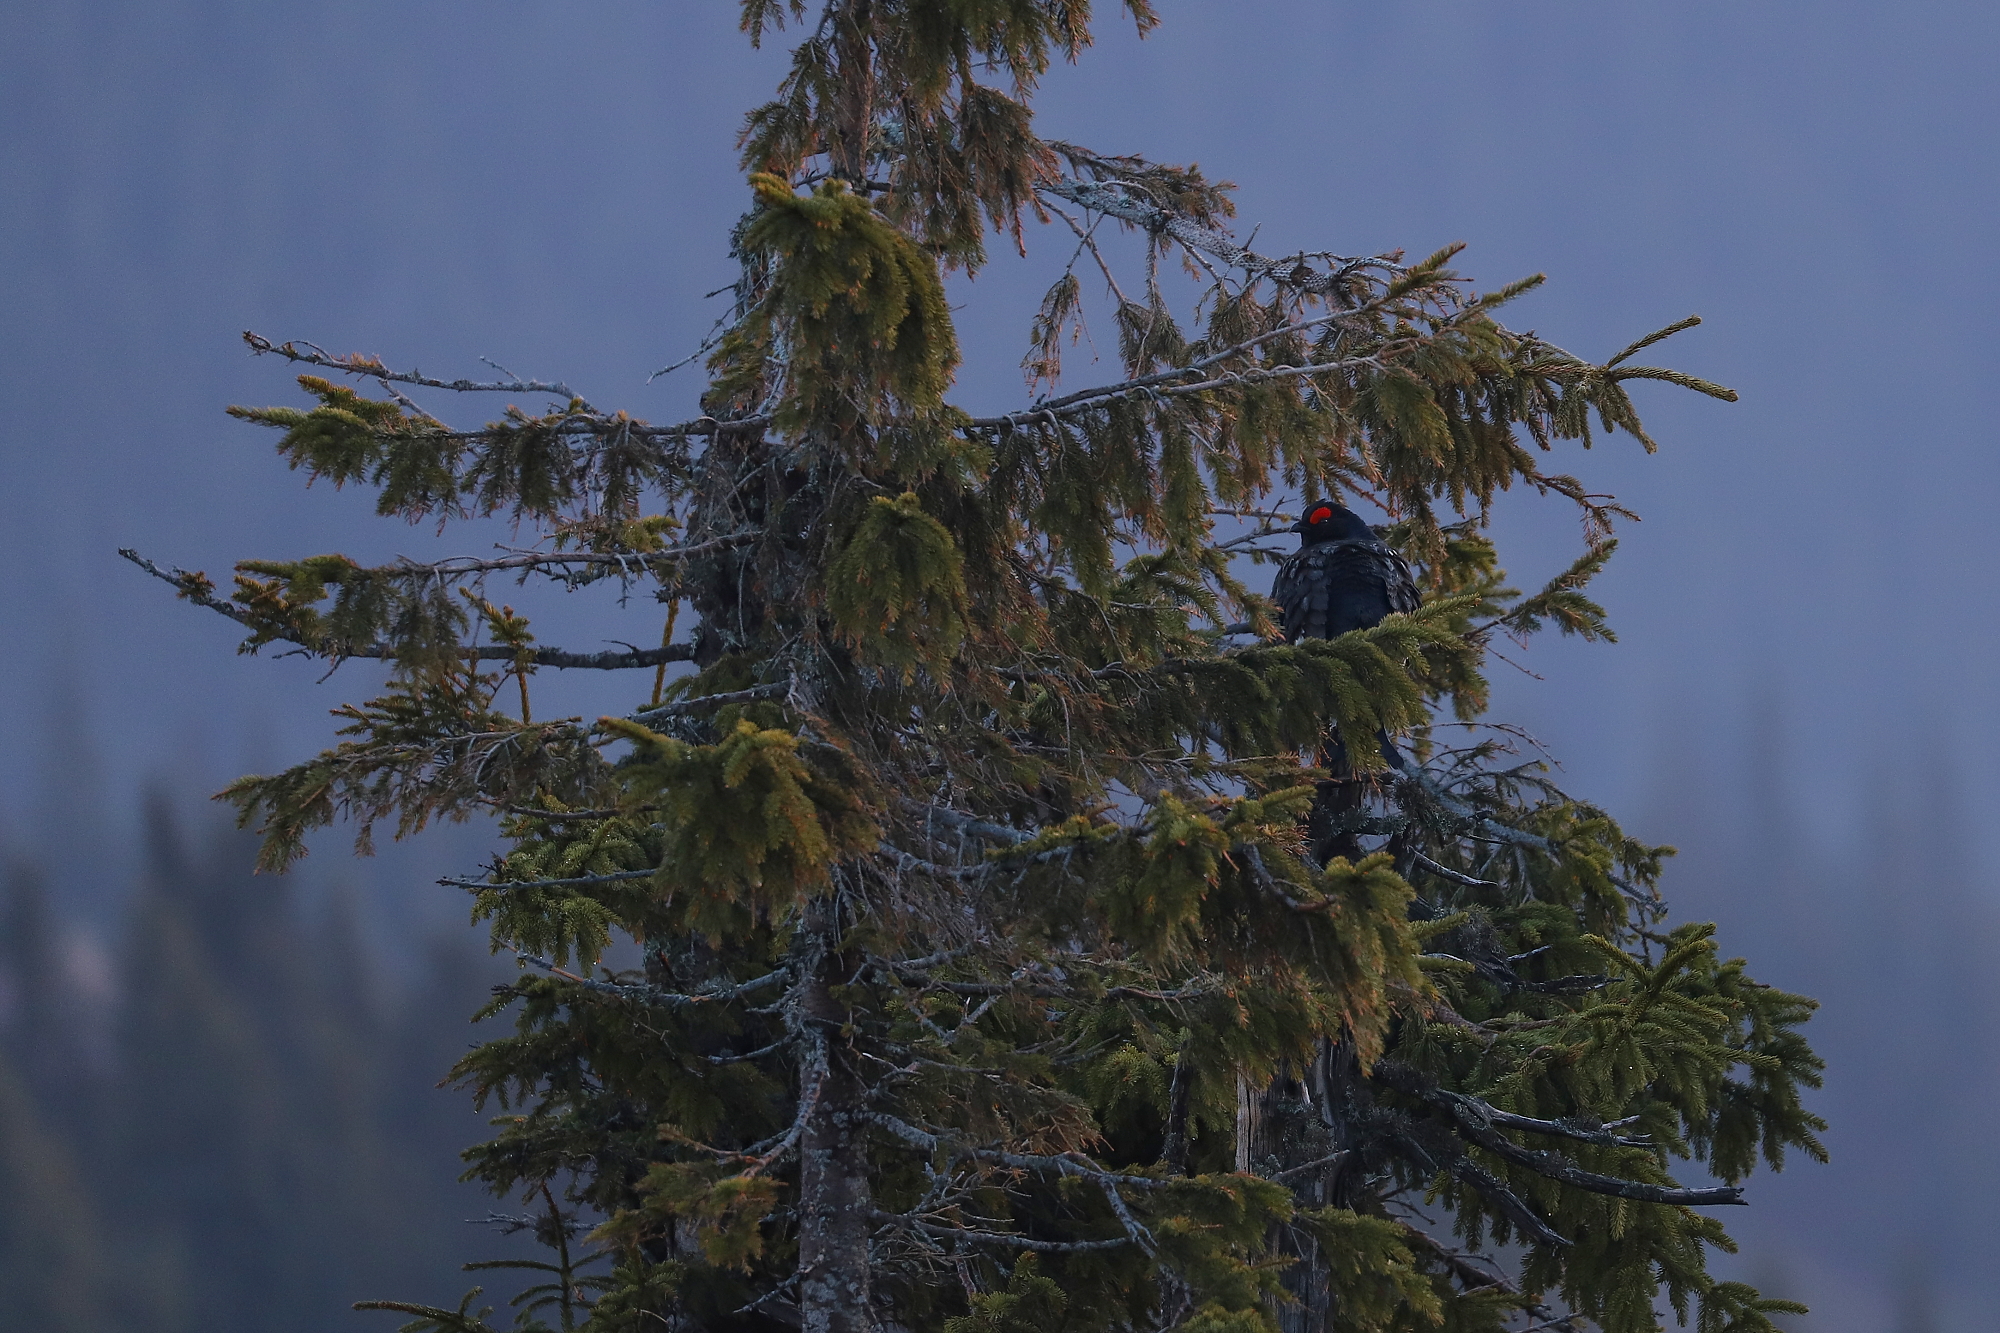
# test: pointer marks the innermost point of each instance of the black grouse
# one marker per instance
(1341, 578)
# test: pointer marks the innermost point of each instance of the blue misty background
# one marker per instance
(1802, 699)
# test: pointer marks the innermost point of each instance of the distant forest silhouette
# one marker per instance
(242, 1132)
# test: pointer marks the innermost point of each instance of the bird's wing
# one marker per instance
(1332, 587)
(1291, 590)
(1402, 588)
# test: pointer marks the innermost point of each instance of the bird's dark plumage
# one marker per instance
(1341, 578)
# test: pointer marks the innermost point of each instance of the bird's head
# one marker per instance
(1326, 521)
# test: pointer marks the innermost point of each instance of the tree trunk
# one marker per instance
(1180, 1094)
(1289, 1124)
(1278, 1128)
(1340, 1099)
(836, 1292)
(1297, 1120)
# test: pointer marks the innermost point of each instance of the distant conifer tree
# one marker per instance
(53, 1265)
(252, 1177)
(46, 1026)
(52, 1259)
(989, 981)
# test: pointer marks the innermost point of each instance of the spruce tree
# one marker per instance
(990, 979)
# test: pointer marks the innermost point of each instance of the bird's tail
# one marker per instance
(1331, 827)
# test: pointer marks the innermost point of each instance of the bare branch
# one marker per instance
(998, 1237)
(465, 565)
(1562, 1129)
(683, 707)
(1160, 386)
(562, 659)
(1307, 1168)
(909, 861)
(357, 364)
(656, 996)
(979, 828)
(1446, 872)
(571, 882)
(196, 588)
(586, 421)
(1063, 1164)
(1117, 200)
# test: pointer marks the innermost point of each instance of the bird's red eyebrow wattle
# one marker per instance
(1320, 515)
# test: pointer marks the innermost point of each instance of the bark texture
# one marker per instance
(836, 1293)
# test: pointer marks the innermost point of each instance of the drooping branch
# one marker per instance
(1164, 378)
(1482, 1274)
(197, 588)
(1449, 1156)
(586, 420)
(1476, 1122)
(1558, 1167)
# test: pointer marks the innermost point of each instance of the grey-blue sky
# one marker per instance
(549, 185)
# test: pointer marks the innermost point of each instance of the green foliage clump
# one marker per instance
(1030, 1303)
(896, 590)
(748, 826)
(855, 311)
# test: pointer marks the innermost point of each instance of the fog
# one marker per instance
(1802, 697)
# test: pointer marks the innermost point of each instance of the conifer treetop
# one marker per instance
(1007, 960)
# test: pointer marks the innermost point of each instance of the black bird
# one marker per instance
(1341, 578)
